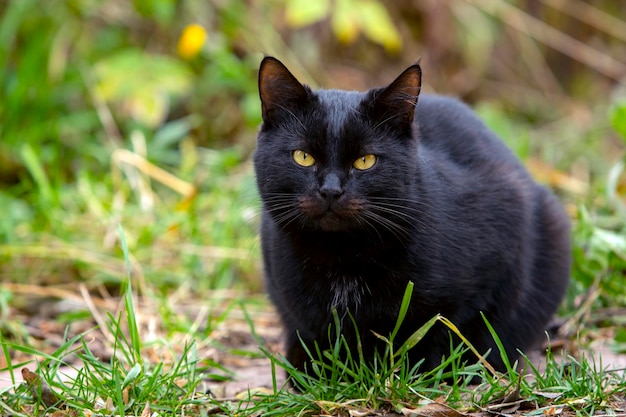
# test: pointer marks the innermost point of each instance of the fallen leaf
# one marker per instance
(513, 395)
(552, 411)
(253, 392)
(548, 395)
(108, 404)
(359, 412)
(508, 403)
(146, 410)
(431, 410)
(39, 388)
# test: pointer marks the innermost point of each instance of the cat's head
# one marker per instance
(332, 160)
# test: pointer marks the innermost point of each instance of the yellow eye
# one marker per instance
(303, 159)
(364, 162)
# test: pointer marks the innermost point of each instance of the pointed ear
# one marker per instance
(278, 88)
(396, 103)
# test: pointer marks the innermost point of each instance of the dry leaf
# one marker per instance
(146, 410)
(125, 395)
(354, 412)
(513, 395)
(510, 402)
(39, 389)
(552, 411)
(432, 410)
(548, 395)
(253, 392)
(108, 404)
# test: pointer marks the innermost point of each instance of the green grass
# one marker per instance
(130, 384)
(339, 381)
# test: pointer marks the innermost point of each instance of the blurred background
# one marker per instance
(144, 114)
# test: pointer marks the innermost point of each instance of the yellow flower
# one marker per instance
(191, 41)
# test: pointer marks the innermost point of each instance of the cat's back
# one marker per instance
(449, 128)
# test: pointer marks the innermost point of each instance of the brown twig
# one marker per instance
(55, 292)
(591, 16)
(124, 156)
(542, 32)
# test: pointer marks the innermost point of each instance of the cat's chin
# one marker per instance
(330, 222)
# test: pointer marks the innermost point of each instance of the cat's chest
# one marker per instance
(349, 275)
(358, 291)
(348, 293)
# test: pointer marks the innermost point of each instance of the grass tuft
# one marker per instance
(339, 382)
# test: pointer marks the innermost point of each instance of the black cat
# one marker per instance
(364, 192)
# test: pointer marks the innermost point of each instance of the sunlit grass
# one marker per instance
(205, 237)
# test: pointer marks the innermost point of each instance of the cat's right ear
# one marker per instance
(278, 88)
(396, 102)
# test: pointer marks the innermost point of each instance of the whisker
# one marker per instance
(392, 210)
(364, 223)
(397, 230)
(426, 211)
(287, 218)
(403, 200)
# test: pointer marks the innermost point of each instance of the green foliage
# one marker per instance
(339, 383)
(94, 121)
(600, 235)
(618, 116)
(79, 87)
(143, 84)
(348, 19)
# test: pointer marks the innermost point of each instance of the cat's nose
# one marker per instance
(331, 187)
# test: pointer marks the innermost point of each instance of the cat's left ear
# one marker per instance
(279, 90)
(396, 102)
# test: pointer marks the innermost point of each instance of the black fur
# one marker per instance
(446, 206)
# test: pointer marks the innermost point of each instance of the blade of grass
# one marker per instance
(502, 351)
(133, 329)
(418, 335)
(480, 357)
(36, 170)
(406, 300)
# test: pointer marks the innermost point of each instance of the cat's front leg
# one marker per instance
(297, 355)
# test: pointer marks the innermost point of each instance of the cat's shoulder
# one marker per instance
(434, 108)
(448, 126)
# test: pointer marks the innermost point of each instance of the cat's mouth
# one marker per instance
(334, 216)
(331, 222)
